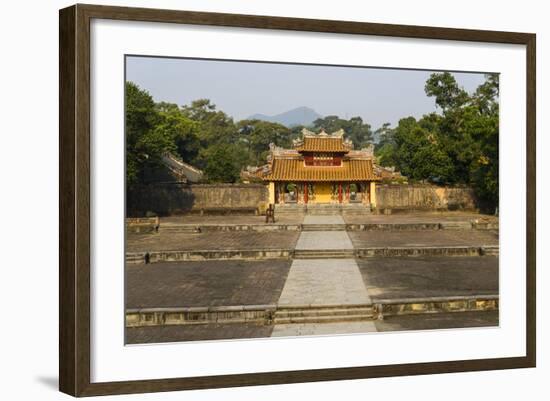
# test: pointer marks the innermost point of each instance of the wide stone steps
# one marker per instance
(455, 225)
(181, 228)
(324, 212)
(323, 227)
(312, 314)
(323, 253)
(323, 209)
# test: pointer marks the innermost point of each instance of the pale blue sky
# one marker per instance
(244, 88)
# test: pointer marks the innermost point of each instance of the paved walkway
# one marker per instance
(316, 219)
(319, 282)
(316, 329)
(324, 240)
(322, 282)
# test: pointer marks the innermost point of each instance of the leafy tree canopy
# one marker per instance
(356, 130)
(457, 146)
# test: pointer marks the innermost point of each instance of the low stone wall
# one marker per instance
(142, 224)
(178, 198)
(230, 196)
(393, 198)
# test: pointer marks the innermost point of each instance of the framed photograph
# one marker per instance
(249, 200)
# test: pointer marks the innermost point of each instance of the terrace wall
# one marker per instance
(423, 197)
(178, 198)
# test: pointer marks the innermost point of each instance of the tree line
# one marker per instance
(456, 145)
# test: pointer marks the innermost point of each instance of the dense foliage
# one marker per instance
(459, 145)
(456, 145)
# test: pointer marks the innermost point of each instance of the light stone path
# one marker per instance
(322, 219)
(316, 329)
(324, 240)
(321, 282)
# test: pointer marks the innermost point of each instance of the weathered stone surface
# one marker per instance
(316, 329)
(167, 199)
(142, 225)
(205, 255)
(216, 240)
(425, 217)
(229, 219)
(325, 240)
(416, 251)
(425, 277)
(320, 219)
(438, 321)
(201, 332)
(423, 197)
(321, 282)
(440, 305)
(423, 238)
(205, 284)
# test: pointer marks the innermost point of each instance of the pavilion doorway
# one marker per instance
(323, 192)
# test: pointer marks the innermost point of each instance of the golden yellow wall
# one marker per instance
(271, 189)
(373, 194)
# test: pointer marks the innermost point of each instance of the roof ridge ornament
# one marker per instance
(307, 133)
(338, 134)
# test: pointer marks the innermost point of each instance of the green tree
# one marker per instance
(223, 162)
(418, 154)
(258, 134)
(445, 89)
(468, 129)
(145, 145)
(182, 131)
(214, 126)
(355, 129)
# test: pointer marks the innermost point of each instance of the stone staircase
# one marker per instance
(455, 225)
(133, 258)
(323, 253)
(179, 228)
(323, 227)
(323, 314)
(323, 209)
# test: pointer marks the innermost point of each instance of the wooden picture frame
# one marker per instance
(74, 204)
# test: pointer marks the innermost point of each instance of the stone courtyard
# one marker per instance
(226, 277)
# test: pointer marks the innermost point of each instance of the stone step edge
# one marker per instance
(266, 314)
(266, 254)
(452, 304)
(204, 254)
(288, 314)
(198, 228)
(459, 250)
(322, 319)
(194, 228)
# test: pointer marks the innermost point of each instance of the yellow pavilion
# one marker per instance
(321, 168)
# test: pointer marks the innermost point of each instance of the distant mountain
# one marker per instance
(297, 116)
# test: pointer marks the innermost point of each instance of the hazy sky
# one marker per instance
(244, 88)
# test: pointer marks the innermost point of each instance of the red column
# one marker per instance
(340, 192)
(305, 192)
